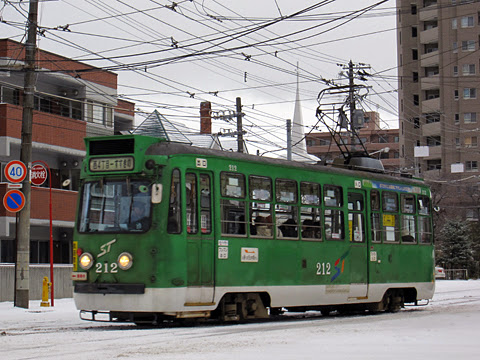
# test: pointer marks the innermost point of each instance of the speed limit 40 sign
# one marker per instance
(15, 171)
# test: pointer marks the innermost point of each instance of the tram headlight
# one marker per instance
(86, 261)
(125, 261)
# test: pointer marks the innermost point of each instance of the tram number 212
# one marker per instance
(323, 268)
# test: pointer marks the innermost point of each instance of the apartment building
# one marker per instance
(382, 143)
(72, 100)
(438, 47)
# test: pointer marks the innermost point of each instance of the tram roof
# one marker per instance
(172, 148)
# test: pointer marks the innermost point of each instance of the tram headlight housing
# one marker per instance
(125, 261)
(86, 261)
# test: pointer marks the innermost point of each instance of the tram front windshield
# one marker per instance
(115, 206)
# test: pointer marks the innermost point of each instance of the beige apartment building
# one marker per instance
(439, 107)
(382, 143)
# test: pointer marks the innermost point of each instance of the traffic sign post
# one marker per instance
(14, 200)
(15, 171)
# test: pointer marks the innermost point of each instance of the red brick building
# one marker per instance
(72, 100)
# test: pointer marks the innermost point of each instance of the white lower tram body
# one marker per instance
(173, 301)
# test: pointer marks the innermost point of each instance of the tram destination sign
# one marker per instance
(122, 163)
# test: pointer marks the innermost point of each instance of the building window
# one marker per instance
(416, 100)
(471, 141)
(469, 93)
(416, 122)
(413, 9)
(455, 70)
(414, 32)
(310, 142)
(468, 69)
(432, 118)
(455, 94)
(470, 118)
(455, 47)
(468, 45)
(431, 71)
(454, 23)
(434, 141)
(471, 166)
(415, 54)
(434, 164)
(427, 25)
(415, 77)
(457, 118)
(467, 21)
(457, 142)
(472, 214)
(432, 94)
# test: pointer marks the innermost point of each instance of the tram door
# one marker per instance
(200, 238)
(358, 244)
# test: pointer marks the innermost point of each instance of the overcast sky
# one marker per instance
(171, 56)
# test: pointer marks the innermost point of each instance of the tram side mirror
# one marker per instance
(157, 193)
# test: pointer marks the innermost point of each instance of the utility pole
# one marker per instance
(289, 139)
(22, 265)
(351, 98)
(239, 126)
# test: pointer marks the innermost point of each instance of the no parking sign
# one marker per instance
(14, 200)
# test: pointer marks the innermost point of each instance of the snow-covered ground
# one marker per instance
(447, 328)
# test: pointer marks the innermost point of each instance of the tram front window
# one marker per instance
(115, 206)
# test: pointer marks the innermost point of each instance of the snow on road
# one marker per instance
(447, 328)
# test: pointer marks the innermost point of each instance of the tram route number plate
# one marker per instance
(124, 163)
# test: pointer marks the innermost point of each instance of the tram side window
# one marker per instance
(233, 221)
(261, 223)
(391, 226)
(232, 185)
(191, 203)
(205, 204)
(424, 221)
(408, 218)
(175, 210)
(332, 195)
(286, 215)
(376, 224)
(356, 222)
(334, 219)
(310, 216)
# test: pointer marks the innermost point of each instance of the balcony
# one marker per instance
(428, 13)
(430, 82)
(434, 152)
(430, 59)
(432, 129)
(429, 36)
(431, 105)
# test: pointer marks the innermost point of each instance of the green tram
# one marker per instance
(167, 230)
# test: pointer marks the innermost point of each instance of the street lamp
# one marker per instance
(51, 224)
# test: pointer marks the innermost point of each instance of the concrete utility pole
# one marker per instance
(289, 139)
(239, 126)
(22, 266)
(351, 96)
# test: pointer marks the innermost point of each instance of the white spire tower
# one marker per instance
(299, 145)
